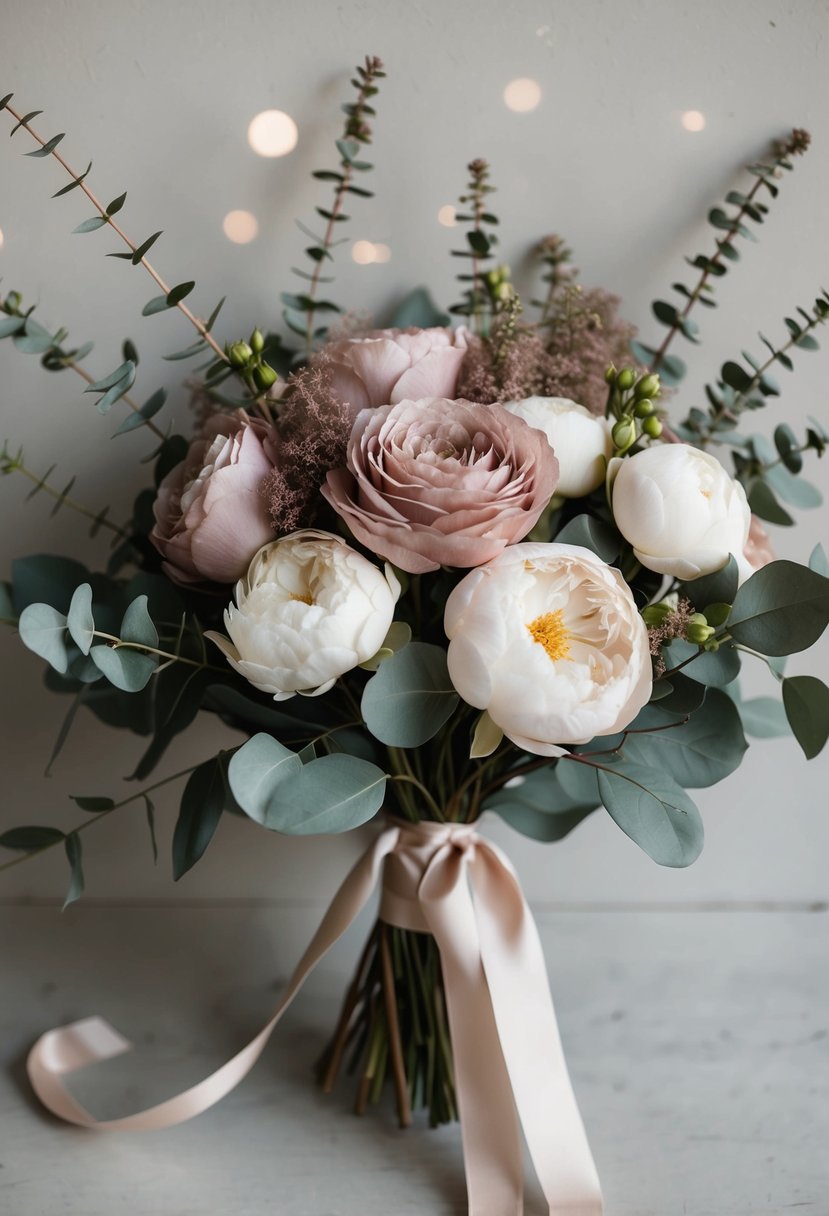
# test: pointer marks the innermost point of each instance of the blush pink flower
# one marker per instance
(758, 550)
(442, 483)
(210, 513)
(394, 365)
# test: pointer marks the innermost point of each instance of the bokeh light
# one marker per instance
(241, 227)
(693, 120)
(522, 95)
(446, 216)
(272, 133)
(366, 252)
(2, 238)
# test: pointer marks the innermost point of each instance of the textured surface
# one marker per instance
(160, 96)
(697, 1043)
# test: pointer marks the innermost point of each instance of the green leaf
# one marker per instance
(348, 148)
(43, 629)
(122, 372)
(818, 561)
(150, 811)
(332, 794)
(593, 534)
(92, 803)
(79, 621)
(806, 701)
(785, 441)
(202, 803)
(73, 185)
(539, 807)
(411, 696)
(717, 588)
(178, 293)
(714, 667)
(654, 812)
(46, 578)
(696, 753)
(764, 718)
(49, 146)
(418, 309)
(792, 489)
(126, 669)
(90, 225)
(74, 855)
(735, 377)
(11, 325)
(116, 204)
(664, 312)
(22, 122)
(148, 410)
(156, 304)
(141, 250)
(763, 503)
(30, 839)
(782, 609)
(255, 771)
(137, 625)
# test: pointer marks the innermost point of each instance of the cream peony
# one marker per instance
(547, 638)
(680, 510)
(309, 609)
(581, 441)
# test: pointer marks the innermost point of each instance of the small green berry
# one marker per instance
(652, 427)
(240, 354)
(264, 376)
(648, 386)
(257, 341)
(626, 378)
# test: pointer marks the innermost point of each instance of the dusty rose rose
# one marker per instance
(442, 483)
(210, 513)
(758, 550)
(392, 365)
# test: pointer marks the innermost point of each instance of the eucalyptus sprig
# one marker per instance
(301, 308)
(556, 258)
(749, 207)
(14, 463)
(172, 297)
(481, 298)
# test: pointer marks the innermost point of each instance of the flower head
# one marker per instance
(581, 441)
(442, 483)
(309, 609)
(210, 514)
(680, 510)
(548, 640)
(392, 365)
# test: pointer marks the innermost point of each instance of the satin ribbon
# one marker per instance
(447, 880)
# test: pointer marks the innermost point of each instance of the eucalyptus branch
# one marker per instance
(555, 255)
(88, 822)
(173, 296)
(14, 464)
(170, 656)
(715, 265)
(477, 298)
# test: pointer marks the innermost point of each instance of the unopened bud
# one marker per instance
(257, 341)
(624, 434)
(264, 376)
(643, 408)
(652, 427)
(648, 386)
(610, 374)
(240, 354)
(711, 647)
(654, 614)
(626, 378)
(698, 630)
(13, 301)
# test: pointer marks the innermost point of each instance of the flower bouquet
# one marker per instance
(432, 572)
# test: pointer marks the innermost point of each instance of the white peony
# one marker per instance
(680, 510)
(548, 640)
(309, 609)
(581, 441)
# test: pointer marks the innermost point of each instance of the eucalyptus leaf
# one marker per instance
(818, 561)
(43, 629)
(80, 622)
(418, 309)
(202, 803)
(29, 839)
(92, 224)
(256, 770)
(74, 855)
(782, 609)
(764, 718)
(92, 803)
(410, 697)
(332, 794)
(806, 701)
(127, 669)
(712, 667)
(593, 534)
(538, 806)
(137, 625)
(717, 588)
(696, 753)
(654, 811)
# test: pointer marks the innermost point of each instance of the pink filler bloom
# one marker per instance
(442, 483)
(758, 550)
(210, 513)
(392, 365)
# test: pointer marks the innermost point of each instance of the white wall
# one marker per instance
(160, 96)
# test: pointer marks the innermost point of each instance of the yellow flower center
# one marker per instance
(550, 632)
(303, 599)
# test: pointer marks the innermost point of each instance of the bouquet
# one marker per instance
(432, 570)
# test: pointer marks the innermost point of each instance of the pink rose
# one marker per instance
(394, 365)
(210, 513)
(442, 483)
(758, 551)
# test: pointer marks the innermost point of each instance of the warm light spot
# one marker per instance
(550, 632)
(272, 133)
(522, 95)
(446, 216)
(240, 227)
(693, 120)
(366, 252)
(2, 238)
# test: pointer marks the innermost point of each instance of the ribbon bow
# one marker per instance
(447, 880)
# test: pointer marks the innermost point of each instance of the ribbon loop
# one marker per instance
(447, 880)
